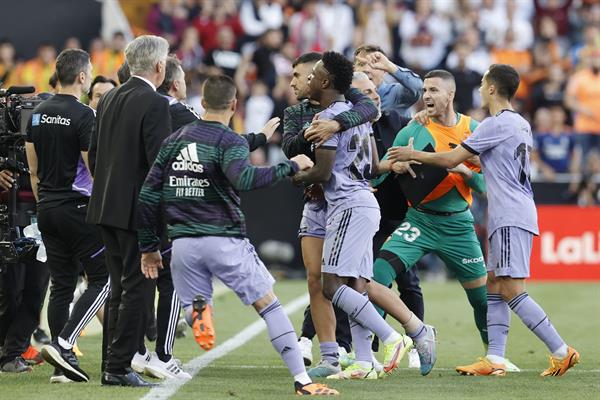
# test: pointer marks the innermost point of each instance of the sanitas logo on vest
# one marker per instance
(187, 160)
(47, 119)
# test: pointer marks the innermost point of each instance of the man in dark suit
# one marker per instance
(131, 123)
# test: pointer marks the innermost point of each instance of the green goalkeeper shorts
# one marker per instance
(451, 237)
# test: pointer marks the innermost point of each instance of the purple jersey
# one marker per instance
(503, 143)
(349, 183)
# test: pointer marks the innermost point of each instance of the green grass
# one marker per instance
(255, 371)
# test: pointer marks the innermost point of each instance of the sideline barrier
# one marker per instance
(568, 247)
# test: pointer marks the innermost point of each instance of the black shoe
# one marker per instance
(131, 378)
(66, 361)
(16, 366)
(40, 336)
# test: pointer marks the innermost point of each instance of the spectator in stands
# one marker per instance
(7, 62)
(257, 16)
(264, 57)
(259, 108)
(107, 59)
(583, 99)
(190, 52)
(72, 42)
(224, 58)
(591, 40)
(167, 19)
(550, 91)
(336, 17)
(478, 57)
(215, 15)
(425, 35)
(555, 147)
(556, 10)
(306, 29)
(374, 24)
(511, 21)
(37, 71)
(467, 80)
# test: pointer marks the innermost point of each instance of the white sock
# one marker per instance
(303, 378)
(64, 344)
(561, 352)
(364, 364)
(495, 359)
(393, 337)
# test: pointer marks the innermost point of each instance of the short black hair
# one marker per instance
(218, 91)
(440, 73)
(505, 78)
(311, 57)
(123, 73)
(100, 79)
(171, 71)
(53, 81)
(341, 68)
(70, 63)
(368, 48)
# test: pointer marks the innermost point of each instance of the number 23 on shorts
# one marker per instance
(407, 232)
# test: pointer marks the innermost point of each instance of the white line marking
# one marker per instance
(170, 387)
(571, 371)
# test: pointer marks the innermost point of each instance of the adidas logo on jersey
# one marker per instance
(187, 160)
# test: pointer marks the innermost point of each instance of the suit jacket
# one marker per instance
(132, 121)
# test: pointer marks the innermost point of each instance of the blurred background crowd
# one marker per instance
(554, 44)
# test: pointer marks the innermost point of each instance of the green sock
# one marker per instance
(384, 274)
(478, 299)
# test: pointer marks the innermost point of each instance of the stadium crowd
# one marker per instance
(554, 44)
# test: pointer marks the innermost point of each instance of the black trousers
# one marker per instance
(72, 245)
(22, 291)
(167, 311)
(130, 295)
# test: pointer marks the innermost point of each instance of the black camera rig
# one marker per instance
(15, 111)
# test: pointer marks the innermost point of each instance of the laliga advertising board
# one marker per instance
(568, 247)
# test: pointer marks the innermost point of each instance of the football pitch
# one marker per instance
(254, 370)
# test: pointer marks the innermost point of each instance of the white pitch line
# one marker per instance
(571, 371)
(170, 387)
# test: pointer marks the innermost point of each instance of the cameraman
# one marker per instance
(58, 136)
(22, 290)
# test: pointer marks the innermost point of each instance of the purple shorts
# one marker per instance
(510, 252)
(348, 247)
(196, 260)
(314, 219)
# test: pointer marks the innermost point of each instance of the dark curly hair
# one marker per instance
(341, 68)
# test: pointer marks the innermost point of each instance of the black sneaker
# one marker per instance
(16, 366)
(40, 336)
(64, 360)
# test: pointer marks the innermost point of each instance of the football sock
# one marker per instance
(360, 309)
(283, 338)
(415, 328)
(477, 298)
(329, 352)
(534, 317)
(361, 339)
(385, 274)
(498, 320)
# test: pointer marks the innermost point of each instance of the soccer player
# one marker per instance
(344, 165)
(195, 181)
(297, 119)
(504, 142)
(444, 213)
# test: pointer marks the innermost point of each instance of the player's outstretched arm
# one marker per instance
(321, 171)
(448, 159)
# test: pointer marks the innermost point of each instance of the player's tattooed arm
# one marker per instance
(321, 171)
